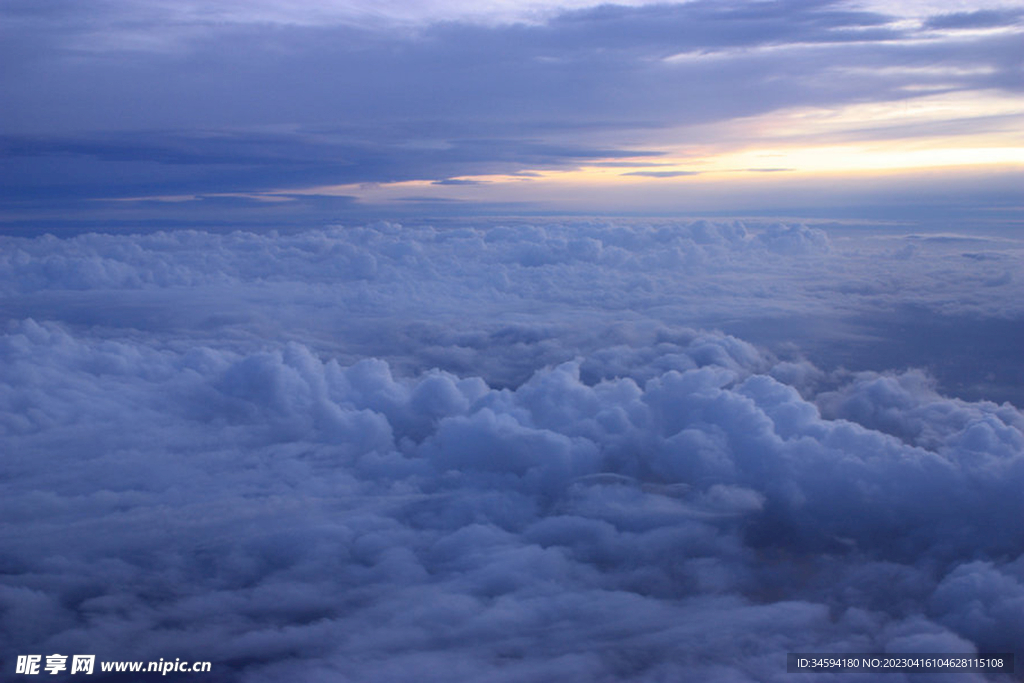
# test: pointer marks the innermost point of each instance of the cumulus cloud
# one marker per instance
(286, 516)
(492, 453)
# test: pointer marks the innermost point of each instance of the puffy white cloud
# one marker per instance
(233, 448)
(286, 516)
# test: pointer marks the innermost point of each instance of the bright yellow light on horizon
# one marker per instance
(764, 165)
(981, 129)
(752, 163)
(862, 158)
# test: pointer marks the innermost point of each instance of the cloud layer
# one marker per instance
(232, 448)
(501, 300)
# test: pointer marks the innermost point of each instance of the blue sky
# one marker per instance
(271, 112)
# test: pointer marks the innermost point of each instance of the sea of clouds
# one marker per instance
(497, 452)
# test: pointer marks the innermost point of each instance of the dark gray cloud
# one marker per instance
(711, 25)
(985, 18)
(47, 169)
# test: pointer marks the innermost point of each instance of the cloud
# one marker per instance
(494, 451)
(457, 181)
(106, 104)
(662, 174)
(794, 239)
(45, 168)
(277, 513)
(429, 295)
(985, 18)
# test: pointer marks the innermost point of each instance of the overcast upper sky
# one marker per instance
(276, 109)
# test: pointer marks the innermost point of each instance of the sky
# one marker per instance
(121, 113)
(512, 341)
